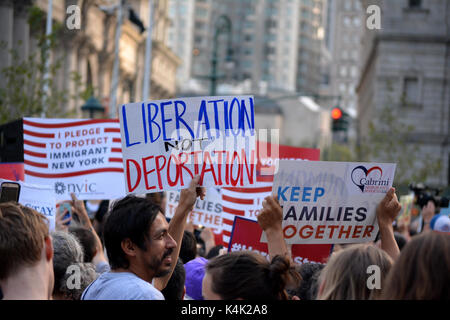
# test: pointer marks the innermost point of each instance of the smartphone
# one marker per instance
(62, 208)
(9, 191)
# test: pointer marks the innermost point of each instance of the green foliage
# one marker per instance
(23, 93)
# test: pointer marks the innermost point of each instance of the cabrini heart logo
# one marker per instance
(369, 180)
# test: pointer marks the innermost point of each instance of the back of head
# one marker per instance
(87, 241)
(309, 272)
(249, 276)
(174, 289)
(188, 250)
(22, 235)
(67, 259)
(346, 274)
(131, 218)
(421, 272)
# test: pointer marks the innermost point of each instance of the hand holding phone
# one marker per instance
(68, 216)
(9, 191)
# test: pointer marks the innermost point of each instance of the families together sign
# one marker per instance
(165, 143)
(330, 202)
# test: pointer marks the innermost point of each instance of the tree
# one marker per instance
(23, 94)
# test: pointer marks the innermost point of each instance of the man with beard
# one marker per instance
(141, 247)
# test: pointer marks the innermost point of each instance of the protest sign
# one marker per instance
(166, 142)
(73, 155)
(38, 197)
(246, 234)
(247, 202)
(330, 202)
(407, 203)
(207, 212)
(12, 171)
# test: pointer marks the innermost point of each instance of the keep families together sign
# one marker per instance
(330, 202)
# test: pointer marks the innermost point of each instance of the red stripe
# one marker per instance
(233, 211)
(35, 154)
(36, 164)
(71, 174)
(34, 144)
(115, 160)
(226, 233)
(228, 222)
(116, 150)
(237, 200)
(112, 130)
(264, 178)
(251, 190)
(117, 140)
(68, 124)
(40, 135)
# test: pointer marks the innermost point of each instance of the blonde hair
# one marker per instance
(345, 275)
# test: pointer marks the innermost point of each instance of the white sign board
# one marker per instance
(331, 202)
(165, 143)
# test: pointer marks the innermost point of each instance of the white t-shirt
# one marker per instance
(121, 286)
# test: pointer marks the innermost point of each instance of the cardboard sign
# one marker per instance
(247, 202)
(331, 202)
(246, 234)
(165, 143)
(73, 155)
(38, 197)
(207, 212)
(12, 171)
(407, 203)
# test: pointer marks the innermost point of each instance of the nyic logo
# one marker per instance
(60, 188)
(369, 180)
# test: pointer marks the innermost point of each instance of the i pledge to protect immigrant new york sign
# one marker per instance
(331, 202)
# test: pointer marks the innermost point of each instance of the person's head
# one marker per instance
(214, 251)
(137, 238)
(158, 198)
(346, 274)
(421, 272)
(25, 243)
(309, 272)
(246, 275)
(195, 272)
(68, 259)
(175, 289)
(87, 241)
(400, 239)
(188, 250)
(100, 217)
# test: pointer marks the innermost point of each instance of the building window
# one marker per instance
(410, 91)
(415, 3)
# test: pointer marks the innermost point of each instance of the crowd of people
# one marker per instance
(128, 250)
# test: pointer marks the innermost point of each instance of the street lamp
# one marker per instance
(223, 25)
(93, 109)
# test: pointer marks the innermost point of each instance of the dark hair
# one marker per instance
(307, 290)
(22, 235)
(188, 250)
(249, 276)
(400, 239)
(87, 241)
(175, 287)
(421, 272)
(214, 252)
(130, 218)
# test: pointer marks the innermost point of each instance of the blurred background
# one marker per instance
(363, 80)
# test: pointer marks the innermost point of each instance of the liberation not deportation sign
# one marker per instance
(330, 202)
(74, 156)
(165, 143)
